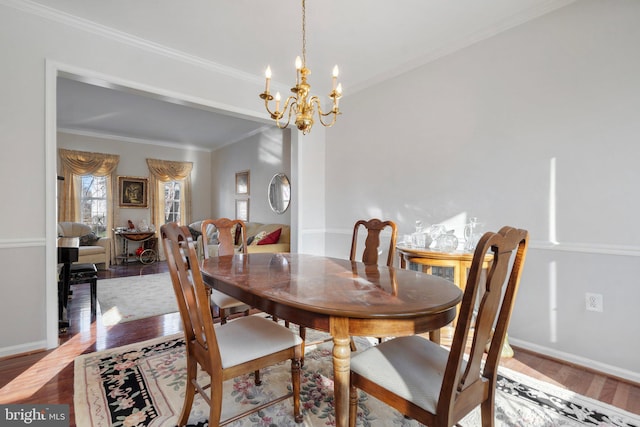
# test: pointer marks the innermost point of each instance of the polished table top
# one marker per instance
(341, 297)
(331, 286)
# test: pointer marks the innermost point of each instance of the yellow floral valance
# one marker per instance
(166, 170)
(86, 163)
(163, 171)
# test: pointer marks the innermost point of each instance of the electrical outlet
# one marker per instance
(594, 302)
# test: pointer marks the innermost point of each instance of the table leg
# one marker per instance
(435, 336)
(341, 366)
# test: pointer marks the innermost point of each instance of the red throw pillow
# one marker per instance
(271, 238)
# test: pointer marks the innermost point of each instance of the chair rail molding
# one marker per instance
(588, 248)
(28, 242)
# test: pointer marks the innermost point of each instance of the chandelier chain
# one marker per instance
(304, 34)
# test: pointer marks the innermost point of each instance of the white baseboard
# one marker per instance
(23, 348)
(578, 360)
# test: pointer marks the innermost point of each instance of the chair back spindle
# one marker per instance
(372, 242)
(226, 235)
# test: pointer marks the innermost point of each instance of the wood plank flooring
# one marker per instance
(47, 376)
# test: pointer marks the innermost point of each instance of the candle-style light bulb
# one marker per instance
(339, 89)
(335, 76)
(267, 74)
(298, 63)
(277, 101)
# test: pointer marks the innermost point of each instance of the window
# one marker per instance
(171, 201)
(93, 203)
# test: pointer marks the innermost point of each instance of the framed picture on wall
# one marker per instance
(132, 192)
(242, 210)
(242, 182)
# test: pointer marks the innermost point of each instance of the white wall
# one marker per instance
(308, 191)
(263, 155)
(480, 133)
(36, 46)
(133, 163)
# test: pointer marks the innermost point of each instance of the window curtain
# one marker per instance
(74, 165)
(163, 171)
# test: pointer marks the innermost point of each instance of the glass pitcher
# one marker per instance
(472, 233)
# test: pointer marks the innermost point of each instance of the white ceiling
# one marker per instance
(371, 40)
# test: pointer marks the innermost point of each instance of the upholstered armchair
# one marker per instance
(91, 250)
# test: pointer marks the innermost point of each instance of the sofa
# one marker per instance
(92, 249)
(256, 232)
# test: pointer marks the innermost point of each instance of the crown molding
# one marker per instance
(466, 41)
(53, 14)
(92, 27)
(168, 144)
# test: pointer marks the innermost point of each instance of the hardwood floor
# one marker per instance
(47, 376)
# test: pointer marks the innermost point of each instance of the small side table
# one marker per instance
(453, 266)
(146, 238)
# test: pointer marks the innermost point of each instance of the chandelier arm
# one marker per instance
(334, 111)
(291, 108)
(266, 106)
(277, 114)
(333, 120)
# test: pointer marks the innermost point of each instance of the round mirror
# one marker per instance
(279, 193)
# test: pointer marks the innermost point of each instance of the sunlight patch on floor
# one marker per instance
(40, 373)
(111, 317)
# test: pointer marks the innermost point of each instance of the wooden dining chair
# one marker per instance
(226, 227)
(245, 345)
(436, 386)
(370, 254)
(372, 243)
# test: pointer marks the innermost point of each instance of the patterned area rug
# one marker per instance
(142, 385)
(129, 298)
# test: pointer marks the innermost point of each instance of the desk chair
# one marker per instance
(247, 344)
(226, 236)
(435, 386)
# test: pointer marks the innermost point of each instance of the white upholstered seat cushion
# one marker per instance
(224, 301)
(411, 367)
(251, 337)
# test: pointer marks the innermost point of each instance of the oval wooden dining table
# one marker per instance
(338, 296)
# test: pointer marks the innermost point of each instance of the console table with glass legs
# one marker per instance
(453, 266)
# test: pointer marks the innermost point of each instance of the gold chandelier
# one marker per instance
(300, 103)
